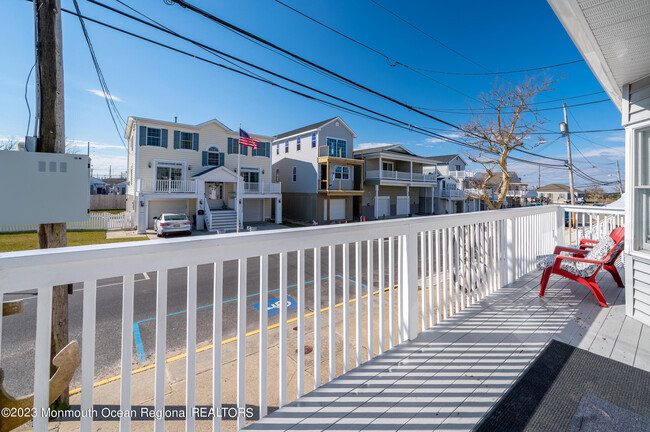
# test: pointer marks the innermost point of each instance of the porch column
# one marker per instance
(408, 198)
(433, 211)
(142, 213)
(278, 210)
(411, 162)
(376, 199)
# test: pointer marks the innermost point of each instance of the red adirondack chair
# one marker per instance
(586, 276)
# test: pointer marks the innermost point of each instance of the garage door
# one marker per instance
(337, 209)
(402, 205)
(383, 206)
(158, 207)
(253, 210)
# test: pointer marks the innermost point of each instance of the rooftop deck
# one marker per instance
(451, 375)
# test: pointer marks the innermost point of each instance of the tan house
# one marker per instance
(192, 169)
(559, 194)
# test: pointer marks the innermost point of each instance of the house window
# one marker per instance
(294, 174)
(186, 141)
(313, 140)
(298, 144)
(286, 146)
(213, 156)
(277, 148)
(153, 137)
(342, 173)
(250, 175)
(642, 189)
(337, 148)
(388, 166)
(277, 175)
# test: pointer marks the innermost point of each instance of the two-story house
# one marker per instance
(517, 193)
(394, 182)
(320, 178)
(193, 169)
(454, 183)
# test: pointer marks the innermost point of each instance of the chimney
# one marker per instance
(175, 119)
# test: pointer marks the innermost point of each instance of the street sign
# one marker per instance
(273, 307)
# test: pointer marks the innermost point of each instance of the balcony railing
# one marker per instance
(462, 174)
(432, 267)
(326, 151)
(401, 176)
(166, 186)
(452, 193)
(261, 188)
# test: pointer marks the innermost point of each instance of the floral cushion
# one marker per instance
(545, 261)
(616, 250)
(597, 253)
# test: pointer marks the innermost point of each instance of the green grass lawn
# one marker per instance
(108, 211)
(11, 242)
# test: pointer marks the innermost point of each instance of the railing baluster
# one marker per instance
(161, 347)
(127, 349)
(217, 336)
(400, 287)
(430, 262)
(42, 357)
(357, 296)
(371, 316)
(331, 312)
(391, 292)
(468, 247)
(300, 288)
(283, 331)
(445, 277)
(317, 313)
(87, 351)
(440, 314)
(264, 316)
(423, 275)
(190, 360)
(346, 306)
(381, 286)
(458, 303)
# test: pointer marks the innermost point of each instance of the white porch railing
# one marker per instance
(453, 193)
(456, 260)
(166, 186)
(401, 176)
(261, 188)
(590, 222)
(462, 174)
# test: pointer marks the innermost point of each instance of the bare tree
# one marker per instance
(8, 144)
(504, 123)
(595, 193)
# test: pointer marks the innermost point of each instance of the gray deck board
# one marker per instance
(452, 374)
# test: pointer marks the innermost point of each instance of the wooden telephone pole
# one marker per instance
(568, 149)
(51, 139)
(620, 184)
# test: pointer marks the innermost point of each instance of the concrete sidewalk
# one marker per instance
(107, 394)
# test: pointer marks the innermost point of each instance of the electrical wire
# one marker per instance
(29, 110)
(108, 97)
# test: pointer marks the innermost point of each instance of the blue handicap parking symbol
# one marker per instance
(273, 307)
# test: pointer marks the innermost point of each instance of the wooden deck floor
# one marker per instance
(451, 375)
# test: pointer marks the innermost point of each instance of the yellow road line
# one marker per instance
(207, 347)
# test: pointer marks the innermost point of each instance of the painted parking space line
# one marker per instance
(137, 338)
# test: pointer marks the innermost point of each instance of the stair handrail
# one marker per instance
(208, 215)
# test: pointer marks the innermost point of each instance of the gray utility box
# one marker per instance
(37, 188)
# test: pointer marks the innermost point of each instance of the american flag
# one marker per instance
(246, 139)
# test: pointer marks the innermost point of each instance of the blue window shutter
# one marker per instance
(221, 159)
(177, 139)
(195, 141)
(143, 135)
(254, 150)
(268, 150)
(205, 158)
(163, 138)
(244, 150)
(229, 145)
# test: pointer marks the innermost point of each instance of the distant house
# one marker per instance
(517, 193)
(98, 187)
(454, 184)
(394, 183)
(321, 181)
(558, 193)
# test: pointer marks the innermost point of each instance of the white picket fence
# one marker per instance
(96, 221)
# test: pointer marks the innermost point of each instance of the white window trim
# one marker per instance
(146, 138)
(343, 169)
(213, 148)
(392, 166)
(337, 140)
(635, 218)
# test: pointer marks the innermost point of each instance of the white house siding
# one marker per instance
(305, 161)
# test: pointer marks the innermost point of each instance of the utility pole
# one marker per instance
(565, 126)
(51, 139)
(620, 184)
(539, 176)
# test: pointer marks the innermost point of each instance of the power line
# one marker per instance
(470, 112)
(496, 73)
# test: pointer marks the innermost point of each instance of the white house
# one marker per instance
(556, 193)
(614, 39)
(192, 169)
(320, 178)
(453, 184)
(394, 182)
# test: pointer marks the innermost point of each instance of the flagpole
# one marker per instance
(238, 174)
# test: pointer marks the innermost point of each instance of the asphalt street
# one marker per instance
(18, 331)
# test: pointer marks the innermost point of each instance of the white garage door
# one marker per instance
(402, 205)
(337, 209)
(253, 210)
(383, 206)
(158, 207)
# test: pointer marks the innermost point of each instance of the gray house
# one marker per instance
(321, 180)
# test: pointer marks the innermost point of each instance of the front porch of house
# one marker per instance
(454, 373)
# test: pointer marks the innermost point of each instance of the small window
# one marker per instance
(153, 137)
(294, 174)
(186, 141)
(298, 144)
(342, 173)
(277, 175)
(213, 156)
(277, 148)
(286, 146)
(313, 140)
(388, 166)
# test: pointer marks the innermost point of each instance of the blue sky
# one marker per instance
(150, 81)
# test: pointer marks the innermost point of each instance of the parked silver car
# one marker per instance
(172, 222)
